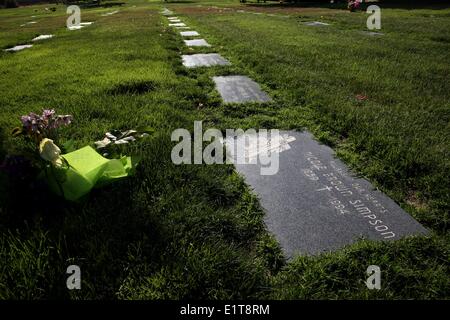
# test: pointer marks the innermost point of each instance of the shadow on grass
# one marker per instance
(139, 87)
(399, 4)
(96, 4)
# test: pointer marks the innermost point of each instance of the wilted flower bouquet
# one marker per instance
(73, 174)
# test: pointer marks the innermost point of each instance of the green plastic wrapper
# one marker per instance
(87, 169)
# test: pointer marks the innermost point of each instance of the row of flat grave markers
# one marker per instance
(233, 89)
(320, 24)
(313, 203)
(26, 46)
(48, 36)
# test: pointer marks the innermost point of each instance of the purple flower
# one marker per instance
(43, 125)
(26, 121)
(48, 114)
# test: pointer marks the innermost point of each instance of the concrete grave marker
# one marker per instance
(314, 204)
(197, 43)
(373, 34)
(204, 60)
(19, 47)
(109, 13)
(178, 24)
(189, 33)
(43, 37)
(239, 89)
(76, 27)
(316, 23)
(27, 23)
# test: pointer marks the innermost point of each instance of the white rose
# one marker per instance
(50, 152)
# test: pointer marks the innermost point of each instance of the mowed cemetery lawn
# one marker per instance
(197, 231)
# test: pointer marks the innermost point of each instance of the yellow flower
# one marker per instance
(50, 152)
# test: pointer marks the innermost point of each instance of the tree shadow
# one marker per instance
(325, 4)
(95, 4)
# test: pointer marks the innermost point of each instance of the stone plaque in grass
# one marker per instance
(172, 18)
(19, 48)
(189, 33)
(175, 21)
(77, 27)
(314, 204)
(316, 23)
(239, 89)
(178, 24)
(204, 60)
(197, 43)
(42, 37)
(373, 33)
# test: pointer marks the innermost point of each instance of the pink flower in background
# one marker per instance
(354, 4)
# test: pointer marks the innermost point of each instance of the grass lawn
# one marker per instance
(196, 231)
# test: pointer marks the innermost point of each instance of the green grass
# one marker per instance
(197, 231)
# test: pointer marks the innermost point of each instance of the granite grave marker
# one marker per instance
(316, 23)
(42, 37)
(197, 43)
(314, 204)
(239, 89)
(178, 24)
(189, 33)
(19, 47)
(204, 60)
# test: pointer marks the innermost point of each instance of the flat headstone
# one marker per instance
(76, 27)
(184, 28)
(20, 47)
(314, 204)
(239, 89)
(189, 33)
(27, 23)
(178, 24)
(204, 60)
(172, 18)
(109, 13)
(373, 33)
(175, 21)
(316, 23)
(42, 37)
(197, 43)
(86, 23)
